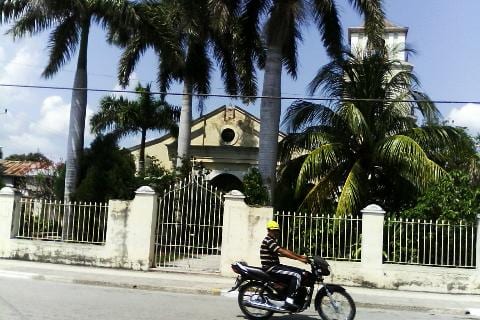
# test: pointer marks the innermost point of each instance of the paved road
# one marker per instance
(22, 299)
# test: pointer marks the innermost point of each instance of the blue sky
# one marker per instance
(444, 33)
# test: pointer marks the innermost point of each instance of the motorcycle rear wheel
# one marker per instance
(339, 307)
(253, 291)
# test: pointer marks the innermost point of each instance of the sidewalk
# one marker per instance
(216, 285)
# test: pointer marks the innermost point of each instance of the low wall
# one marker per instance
(131, 234)
(129, 237)
(245, 230)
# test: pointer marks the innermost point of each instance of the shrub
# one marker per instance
(255, 192)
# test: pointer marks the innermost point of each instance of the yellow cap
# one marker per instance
(273, 225)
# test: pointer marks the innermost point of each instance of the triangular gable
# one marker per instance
(216, 120)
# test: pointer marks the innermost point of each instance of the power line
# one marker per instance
(200, 95)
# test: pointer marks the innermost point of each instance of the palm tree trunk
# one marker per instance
(141, 161)
(184, 131)
(76, 127)
(270, 110)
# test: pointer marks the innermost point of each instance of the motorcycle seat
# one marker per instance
(255, 272)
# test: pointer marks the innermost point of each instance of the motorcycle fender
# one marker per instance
(322, 292)
(238, 282)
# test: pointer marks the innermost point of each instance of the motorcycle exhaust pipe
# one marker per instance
(266, 306)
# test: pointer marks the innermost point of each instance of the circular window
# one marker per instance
(228, 135)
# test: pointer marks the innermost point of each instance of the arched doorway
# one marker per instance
(226, 182)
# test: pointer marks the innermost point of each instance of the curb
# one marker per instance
(124, 285)
(209, 291)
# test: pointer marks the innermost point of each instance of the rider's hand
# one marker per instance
(304, 259)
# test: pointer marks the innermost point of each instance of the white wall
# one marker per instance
(129, 239)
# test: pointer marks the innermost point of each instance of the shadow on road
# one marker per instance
(289, 317)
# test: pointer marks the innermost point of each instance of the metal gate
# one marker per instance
(189, 226)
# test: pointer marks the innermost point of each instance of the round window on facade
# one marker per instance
(228, 135)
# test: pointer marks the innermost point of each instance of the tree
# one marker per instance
(455, 197)
(366, 146)
(71, 21)
(202, 32)
(107, 172)
(283, 23)
(122, 117)
(37, 157)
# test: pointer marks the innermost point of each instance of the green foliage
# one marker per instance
(121, 117)
(358, 151)
(453, 198)
(156, 176)
(107, 172)
(255, 192)
(59, 181)
(37, 156)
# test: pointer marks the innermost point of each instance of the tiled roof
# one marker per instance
(24, 168)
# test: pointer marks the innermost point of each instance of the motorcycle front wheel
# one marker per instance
(253, 292)
(338, 306)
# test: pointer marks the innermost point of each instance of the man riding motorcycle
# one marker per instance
(270, 251)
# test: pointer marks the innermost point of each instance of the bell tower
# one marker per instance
(395, 38)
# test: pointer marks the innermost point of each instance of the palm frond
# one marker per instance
(374, 20)
(427, 108)
(353, 191)
(130, 57)
(63, 43)
(11, 10)
(303, 114)
(32, 21)
(327, 18)
(319, 162)
(353, 118)
(323, 189)
(409, 159)
(300, 143)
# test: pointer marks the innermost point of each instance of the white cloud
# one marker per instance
(21, 67)
(54, 115)
(466, 116)
(45, 132)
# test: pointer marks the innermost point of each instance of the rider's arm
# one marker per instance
(292, 255)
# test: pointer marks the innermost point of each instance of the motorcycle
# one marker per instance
(260, 295)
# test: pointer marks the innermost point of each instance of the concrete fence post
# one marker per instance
(477, 244)
(244, 227)
(140, 223)
(372, 236)
(9, 210)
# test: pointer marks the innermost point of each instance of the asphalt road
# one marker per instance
(22, 299)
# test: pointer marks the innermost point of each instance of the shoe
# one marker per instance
(290, 304)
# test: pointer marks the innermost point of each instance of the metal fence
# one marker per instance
(189, 226)
(336, 238)
(430, 243)
(57, 221)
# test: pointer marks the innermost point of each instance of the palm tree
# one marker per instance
(366, 145)
(283, 23)
(121, 117)
(71, 21)
(205, 32)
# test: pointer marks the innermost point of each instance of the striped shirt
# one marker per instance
(268, 253)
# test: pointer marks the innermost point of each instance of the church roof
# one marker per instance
(199, 120)
(389, 27)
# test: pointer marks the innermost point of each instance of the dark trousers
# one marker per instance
(289, 275)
